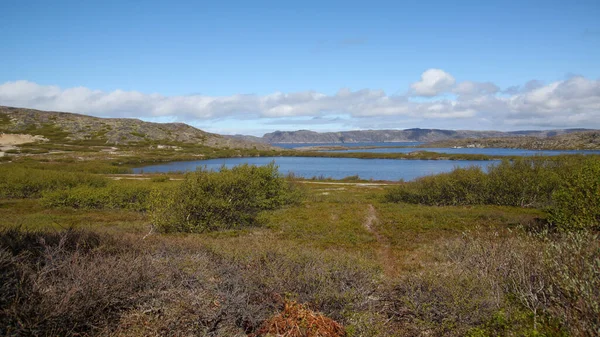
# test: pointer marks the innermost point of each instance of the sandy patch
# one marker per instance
(9, 141)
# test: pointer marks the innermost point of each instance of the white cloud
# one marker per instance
(469, 88)
(433, 82)
(574, 102)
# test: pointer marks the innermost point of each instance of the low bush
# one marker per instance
(462, 186)
(576, 202)
(444, 303)
(568, 187)
(297, 320)
(133, 196)
(67, 283)
(161, 178)
(76, 282)
(228, 199)
(20, 182)
(523, 182)
(496, 284)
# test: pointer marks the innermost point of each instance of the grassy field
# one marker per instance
(77, 259)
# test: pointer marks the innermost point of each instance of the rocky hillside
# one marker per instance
(582, 140)
(70, 127)
(408, 135)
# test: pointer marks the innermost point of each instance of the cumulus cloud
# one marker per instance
(432, 83)
(469, 88)
(527, 87)
(573, 102)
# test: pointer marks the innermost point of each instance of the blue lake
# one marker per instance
(486, 151)
(296, 145)
(386, 148)
(336, 168)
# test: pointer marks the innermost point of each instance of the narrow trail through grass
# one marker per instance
(384, 251)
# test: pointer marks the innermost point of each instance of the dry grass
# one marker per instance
(502, 283)
(81, 282)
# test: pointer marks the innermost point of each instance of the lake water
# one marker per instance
(486, 151)
(296, 145)
(385, 148)
(336, 168)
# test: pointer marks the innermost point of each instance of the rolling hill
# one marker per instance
(63, 127)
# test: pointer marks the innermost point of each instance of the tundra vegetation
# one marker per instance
(85, 249)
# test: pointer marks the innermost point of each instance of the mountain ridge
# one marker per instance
(73, 128)
(407, 135)
(70, 127)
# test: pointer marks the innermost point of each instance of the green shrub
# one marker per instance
(20, 182)
(576, 202)
(523, 182)
(228, 199)
(463, 186)
(568, 186)
(133, 196)
(161, 178)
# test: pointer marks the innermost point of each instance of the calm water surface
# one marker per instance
(386, 148)
(486, 151)
(336, 168)
(296, 145)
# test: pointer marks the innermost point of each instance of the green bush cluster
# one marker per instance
(567, 186)
(576, 202)
(519, 182)
(74, 165)
(21, 182)
(463, 186)
(230, 198)
(114, 196)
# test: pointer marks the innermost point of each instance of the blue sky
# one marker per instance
(257, 66)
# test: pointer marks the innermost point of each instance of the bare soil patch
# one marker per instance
(9, 141)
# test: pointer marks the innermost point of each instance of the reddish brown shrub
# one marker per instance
(297, 320)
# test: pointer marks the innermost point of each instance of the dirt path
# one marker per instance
(384, 252)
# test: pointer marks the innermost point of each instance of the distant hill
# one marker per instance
(63, 127)
(579, 140)
(66, 127)
(408, 135)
